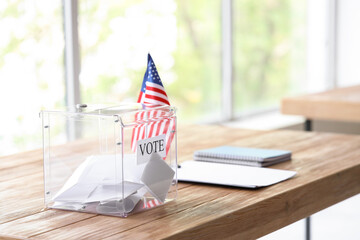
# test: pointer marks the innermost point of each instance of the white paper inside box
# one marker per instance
(112, 160)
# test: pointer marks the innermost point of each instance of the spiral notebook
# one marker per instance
(257, 157)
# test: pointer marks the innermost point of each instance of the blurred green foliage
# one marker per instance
(196, 87)
(31, 69)
(266, 36)
(184, 38)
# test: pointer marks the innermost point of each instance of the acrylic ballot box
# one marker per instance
(112, 160)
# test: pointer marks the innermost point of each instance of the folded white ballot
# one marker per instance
(106, 192)
(99, 178)
(157, 177)
(115, 206)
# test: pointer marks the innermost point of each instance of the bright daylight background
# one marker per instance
(280, 47)
(184, 38)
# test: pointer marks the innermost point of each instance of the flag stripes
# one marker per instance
(156, 124)
(152, 203)
(152, 123)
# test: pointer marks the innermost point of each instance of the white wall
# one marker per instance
(333, 44)
(348, 42)
(317, 45)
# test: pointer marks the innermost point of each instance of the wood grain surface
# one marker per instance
(342, 104)
(328, 167)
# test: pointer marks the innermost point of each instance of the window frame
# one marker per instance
(72, 56)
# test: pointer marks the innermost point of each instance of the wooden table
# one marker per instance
(342, 104)
(328, 167)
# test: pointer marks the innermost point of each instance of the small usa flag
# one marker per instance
(152, 90)
(153, 95)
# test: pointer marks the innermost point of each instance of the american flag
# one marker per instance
(153, 95)
(152, 90)
(151, 203)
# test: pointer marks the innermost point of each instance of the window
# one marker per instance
(183, 38)
(278, 47)
(31, 69)
(269, 58)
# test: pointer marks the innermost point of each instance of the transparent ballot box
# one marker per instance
(112, 160)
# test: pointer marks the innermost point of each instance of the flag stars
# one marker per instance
(152, 74)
